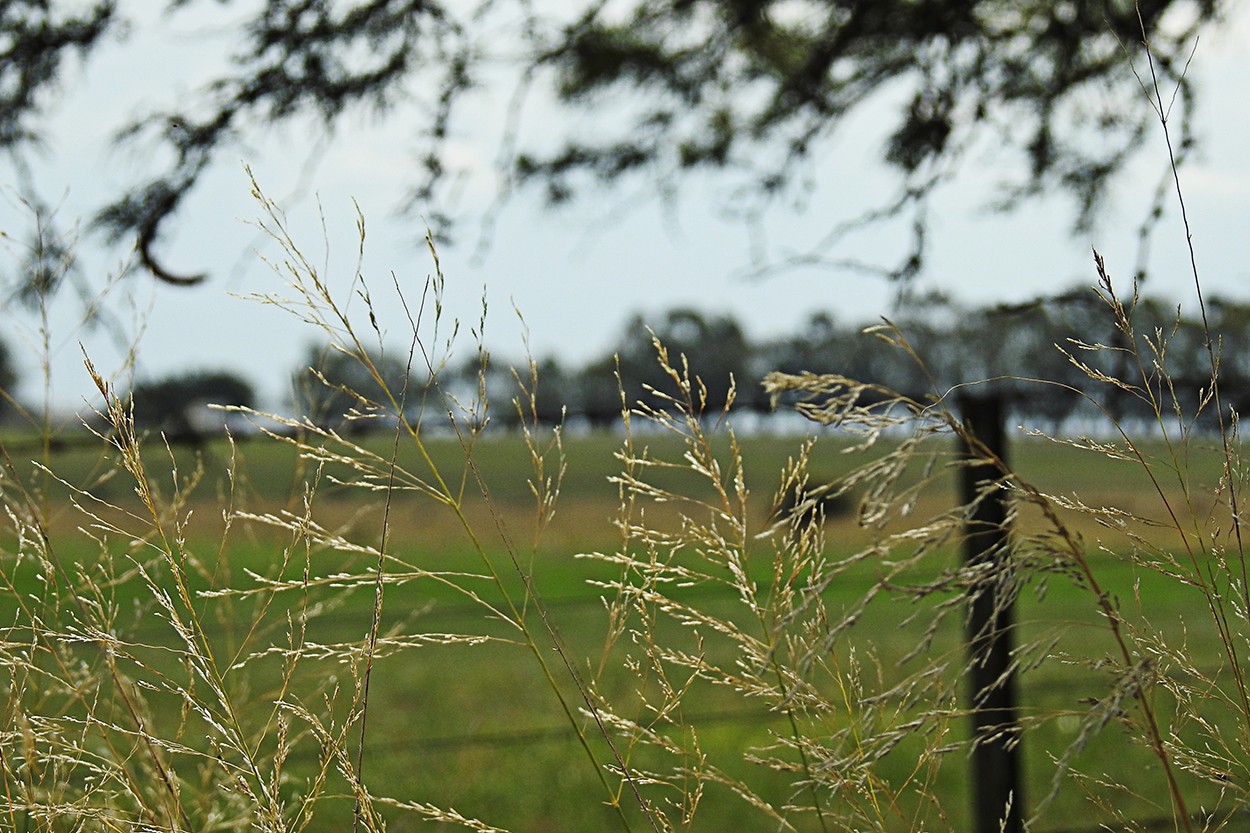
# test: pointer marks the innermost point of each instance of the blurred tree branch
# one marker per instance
(752, 90)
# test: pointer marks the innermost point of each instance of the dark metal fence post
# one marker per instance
(996, 773)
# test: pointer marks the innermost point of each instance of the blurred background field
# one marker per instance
(473, 726)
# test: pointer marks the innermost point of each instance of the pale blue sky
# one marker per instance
(576, 274)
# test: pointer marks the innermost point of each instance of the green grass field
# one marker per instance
(476, 727)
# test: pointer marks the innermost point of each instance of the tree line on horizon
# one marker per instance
(1029, 353)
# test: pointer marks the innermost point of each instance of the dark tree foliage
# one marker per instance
(334, 388)
(820, 346)
(757, 88)
(35, 37)
(552, 391)
(598, 386)
(294, 57)
(8, 379)
(177, 405)
(544, 393)
(712, 348)
(760, 88)
(1233, 320)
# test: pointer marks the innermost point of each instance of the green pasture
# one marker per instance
(476, 727)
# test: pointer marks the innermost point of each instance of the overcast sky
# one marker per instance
(577, 274)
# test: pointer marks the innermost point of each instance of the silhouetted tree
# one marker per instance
(8, 380)
(177, 405)
(822, 345)
(600, 392)
(332, 387)
(1231, 320)
(934, 360)
(556, 395)
(715, 350)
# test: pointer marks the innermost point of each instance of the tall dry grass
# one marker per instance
(152, 685)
